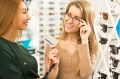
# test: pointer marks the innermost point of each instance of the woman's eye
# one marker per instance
(25, 11)
(68, 14)
(77, 18)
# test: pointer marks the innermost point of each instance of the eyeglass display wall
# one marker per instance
(46, 20)
(107, 30)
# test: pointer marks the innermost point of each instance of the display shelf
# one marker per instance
(46, 20)
(109, 57)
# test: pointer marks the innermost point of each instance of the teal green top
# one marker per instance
(16, 62)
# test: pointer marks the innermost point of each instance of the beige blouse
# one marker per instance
(79, 65)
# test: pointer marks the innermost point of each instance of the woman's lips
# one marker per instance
(68, 26)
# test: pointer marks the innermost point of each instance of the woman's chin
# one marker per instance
(23, 28)
(67, 30)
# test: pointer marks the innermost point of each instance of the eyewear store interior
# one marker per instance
(46, 16)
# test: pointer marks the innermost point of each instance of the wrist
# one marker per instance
(84, 41)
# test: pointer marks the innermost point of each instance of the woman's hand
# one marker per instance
(53, 57)
(84, 31)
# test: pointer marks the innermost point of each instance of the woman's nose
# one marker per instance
(70, 20)
(28, 17)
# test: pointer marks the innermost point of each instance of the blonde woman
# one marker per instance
(76, 51)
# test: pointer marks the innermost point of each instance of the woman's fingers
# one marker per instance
(53, 55)
(55, 60)
(85, 30)
(53, 52)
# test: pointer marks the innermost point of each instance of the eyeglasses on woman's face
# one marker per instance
(75, 19)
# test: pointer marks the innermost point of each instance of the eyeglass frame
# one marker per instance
(74, 19)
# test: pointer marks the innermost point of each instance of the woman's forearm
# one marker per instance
(86, 66)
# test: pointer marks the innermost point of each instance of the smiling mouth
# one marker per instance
(68, 26)
(25, 22)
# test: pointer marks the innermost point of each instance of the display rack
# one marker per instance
(45, 21)
(108, 65)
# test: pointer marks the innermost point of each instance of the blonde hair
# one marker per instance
(88, 16)
(8, 12)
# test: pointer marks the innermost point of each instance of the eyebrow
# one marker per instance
(74, 16)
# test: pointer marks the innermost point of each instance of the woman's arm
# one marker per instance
(9, 69)
(87, 61)
(51, 58)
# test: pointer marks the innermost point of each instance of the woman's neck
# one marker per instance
(72, 37)
(10, 35)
